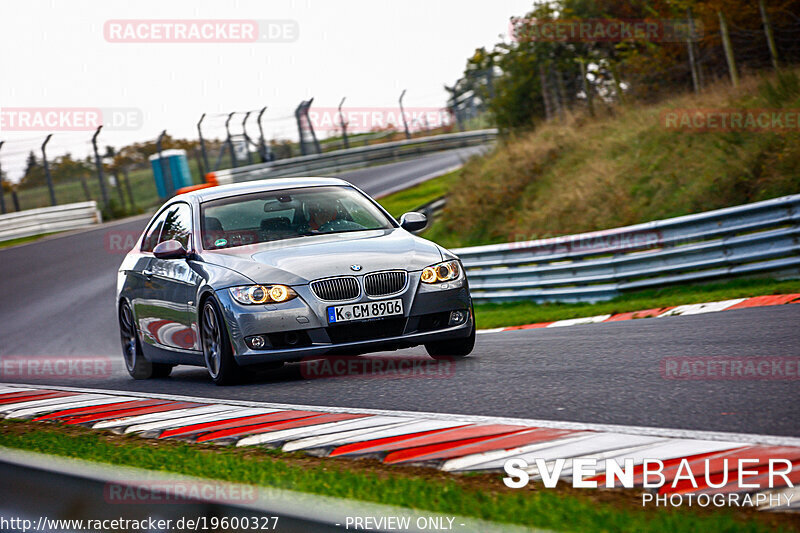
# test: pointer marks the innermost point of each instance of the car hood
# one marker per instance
(300, 260)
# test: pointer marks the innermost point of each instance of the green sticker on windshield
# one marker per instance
(220, 242)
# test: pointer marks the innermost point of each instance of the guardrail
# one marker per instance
(753, 239)
(338, 160)
(48, 220)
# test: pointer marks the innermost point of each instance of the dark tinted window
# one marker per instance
(287, 214)
(178, 225)
(151, 239)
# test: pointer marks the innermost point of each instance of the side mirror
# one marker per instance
(413, 222)
(170, 249)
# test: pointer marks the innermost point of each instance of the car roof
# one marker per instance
(235, 189)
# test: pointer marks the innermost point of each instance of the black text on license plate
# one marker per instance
(363, 311)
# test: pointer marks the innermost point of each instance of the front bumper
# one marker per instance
(305, 318)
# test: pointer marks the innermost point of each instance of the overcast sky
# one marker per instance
(54, 54)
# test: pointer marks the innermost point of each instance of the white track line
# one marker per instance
(370, 434)
(29, 412)
(397, 428)
(225, 414)
(699, 309)
(774, 440)
(283, 435)
(141, 419)
(6, 408)
(665, 450)
(470, 462)
(600, 444)
(579, 321)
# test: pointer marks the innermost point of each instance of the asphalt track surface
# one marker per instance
(56, 299)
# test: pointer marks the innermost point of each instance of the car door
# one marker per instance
(140, 278)
(173, 283)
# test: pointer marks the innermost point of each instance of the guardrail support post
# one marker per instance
(47, 172)
(99, 164)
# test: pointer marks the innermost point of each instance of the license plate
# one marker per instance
(363, 311)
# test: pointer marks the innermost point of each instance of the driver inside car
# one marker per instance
(320, 214)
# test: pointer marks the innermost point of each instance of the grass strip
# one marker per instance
(22, 240)
(409, 199)
(495, 315)
(479, 495)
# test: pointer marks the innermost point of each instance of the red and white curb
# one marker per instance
(452, 443)
(662, 312)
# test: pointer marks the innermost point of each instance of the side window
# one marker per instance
(178, 225)
(151, 239)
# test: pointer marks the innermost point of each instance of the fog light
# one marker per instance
(256, 342)
(457, 317)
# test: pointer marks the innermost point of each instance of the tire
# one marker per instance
(135, 363)
(452, 349)
(217, 350)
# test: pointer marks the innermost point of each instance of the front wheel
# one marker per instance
(454, 348)
(217, 347)
(135, 363)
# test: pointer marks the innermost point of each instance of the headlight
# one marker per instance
(262, 294)
(447, 271)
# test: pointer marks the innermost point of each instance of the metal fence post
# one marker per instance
(311, 127)
(47, 172)
(203, 145)
(403, 114)
(169, 185)
(262, 145)
(344, 124)
(128, 187)
(247, 140)
(229, 140)
(298, 115)
(99, 164)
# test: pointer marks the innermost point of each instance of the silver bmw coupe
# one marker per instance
(267, 272)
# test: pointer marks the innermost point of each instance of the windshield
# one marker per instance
(285, 214)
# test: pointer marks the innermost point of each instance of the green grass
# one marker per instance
(519, 313)
(418, 195)
(434, 491)
(624, 167)
(22, 240)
